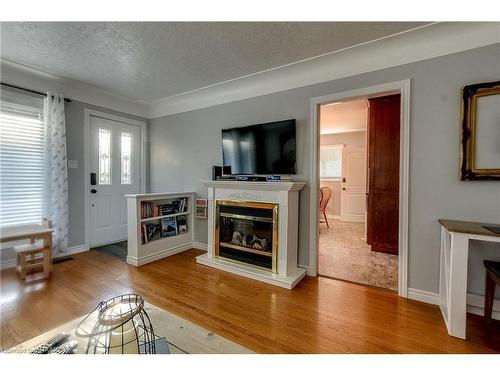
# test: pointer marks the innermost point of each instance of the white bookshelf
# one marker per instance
(141, 252)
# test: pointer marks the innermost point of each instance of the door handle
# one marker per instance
(93, 179)
(93, 191)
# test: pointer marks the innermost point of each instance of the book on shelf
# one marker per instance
(151, 209)
(181, 224)
(152, 232)
(183, 205)
(169, 227)
(168, 208)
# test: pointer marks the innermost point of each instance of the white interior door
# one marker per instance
(115, 168)
(353, 193)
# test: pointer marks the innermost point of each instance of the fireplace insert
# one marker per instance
(247, 232)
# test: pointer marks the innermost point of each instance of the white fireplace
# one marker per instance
(253, 230)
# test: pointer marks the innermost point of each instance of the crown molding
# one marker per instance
(424, 43)
(25, 76)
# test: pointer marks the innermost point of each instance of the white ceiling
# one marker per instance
(343, 117)
(149, 61)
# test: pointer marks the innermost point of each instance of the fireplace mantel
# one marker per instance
(286, 196)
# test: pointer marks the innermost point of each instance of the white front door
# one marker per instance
(115, 170)
(353, 193)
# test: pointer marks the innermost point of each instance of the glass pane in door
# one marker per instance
(104, 157)
(126, 159)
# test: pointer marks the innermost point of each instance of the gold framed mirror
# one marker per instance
(480, 151)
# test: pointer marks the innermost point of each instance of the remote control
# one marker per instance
(66, 348)
(53, 342)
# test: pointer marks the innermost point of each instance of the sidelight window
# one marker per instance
(126, 158)
(104, 157)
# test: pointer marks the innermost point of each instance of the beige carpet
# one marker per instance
(344, 254)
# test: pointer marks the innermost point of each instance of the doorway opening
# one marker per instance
(359, 176)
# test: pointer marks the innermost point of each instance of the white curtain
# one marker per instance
(56, 189)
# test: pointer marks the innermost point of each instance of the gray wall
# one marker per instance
(184, 146)
(76, 177)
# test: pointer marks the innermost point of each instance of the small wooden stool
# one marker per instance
(36, 254)
(492, 280)
(32, 256)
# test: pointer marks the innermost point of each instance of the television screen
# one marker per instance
(260, 149)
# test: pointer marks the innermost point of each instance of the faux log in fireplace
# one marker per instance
(247, 232)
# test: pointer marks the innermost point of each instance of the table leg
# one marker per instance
(458, 284)
(46, 262)
(444, 276)
(47, 242)
(23, 266)
(489, 296)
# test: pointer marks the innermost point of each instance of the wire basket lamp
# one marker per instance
(119, 325)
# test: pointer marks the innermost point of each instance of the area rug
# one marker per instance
(183, 336)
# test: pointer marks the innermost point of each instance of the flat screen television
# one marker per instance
(260, 149)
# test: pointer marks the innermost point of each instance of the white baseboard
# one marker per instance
(308, 272)
(475, 305)
(200, 246)
(423, 296)
(475, 302)
(159, 255)
(352, 219)
(73, 250)
(334, 217)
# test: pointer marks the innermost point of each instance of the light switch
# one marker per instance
(73, 164)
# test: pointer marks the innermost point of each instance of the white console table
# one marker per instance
(455, 236)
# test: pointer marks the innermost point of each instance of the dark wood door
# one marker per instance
(383, 174)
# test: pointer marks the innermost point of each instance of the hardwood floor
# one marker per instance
(319, 316)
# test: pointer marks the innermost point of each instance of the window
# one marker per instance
(330, 166)
(21, 159)
(126, 158)
(104, 157)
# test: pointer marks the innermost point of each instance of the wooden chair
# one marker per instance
(36, 254)
(492, 280)
(325, 195)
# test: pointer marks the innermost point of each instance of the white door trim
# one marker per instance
(402, 87)
(86, 144)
